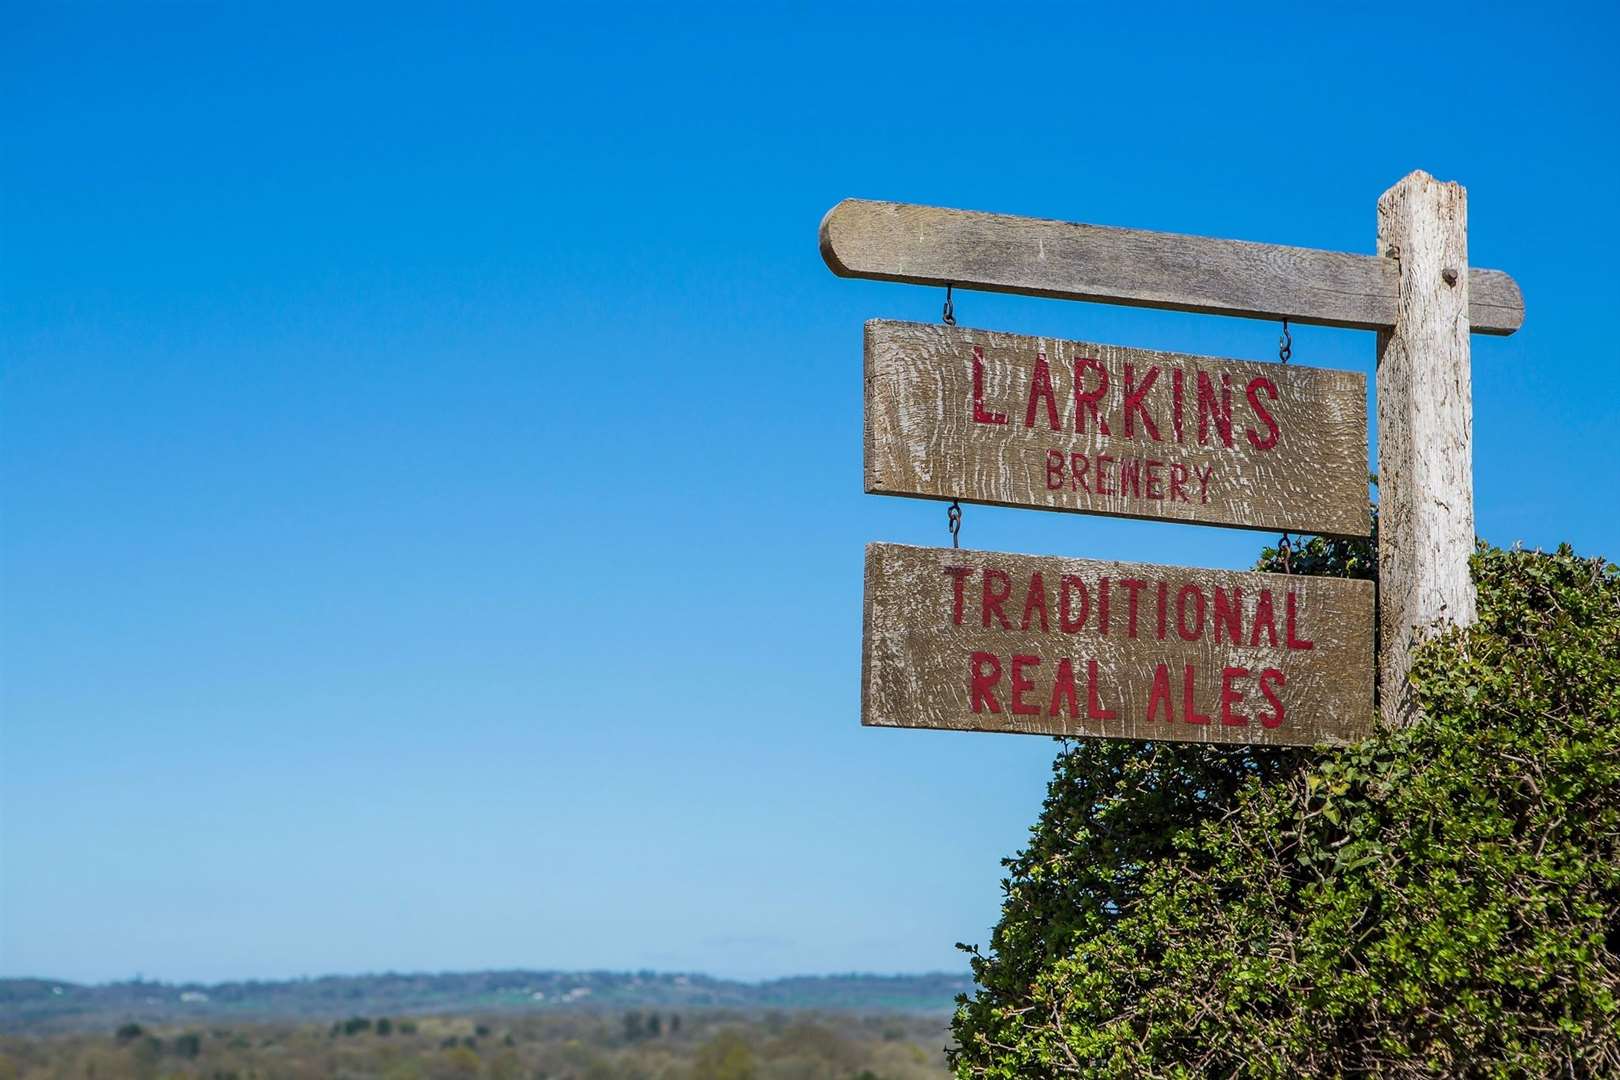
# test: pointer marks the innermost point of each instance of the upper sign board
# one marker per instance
(988, 417)
(982, 641)
(929, 245)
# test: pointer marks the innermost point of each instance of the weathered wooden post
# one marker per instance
(1425, 429)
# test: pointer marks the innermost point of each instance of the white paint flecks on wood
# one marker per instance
(987, 417)
(1425, 428)
(1076, 647)
(926, 245)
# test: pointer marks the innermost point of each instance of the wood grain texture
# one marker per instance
(926, 245)
(919, 650)
(1425, 430)
(1291, 456)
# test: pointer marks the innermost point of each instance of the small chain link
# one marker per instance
(948, 316)
(1285, 344)
(1285, 548)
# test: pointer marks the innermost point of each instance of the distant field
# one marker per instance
(38, 1006)
(564, 1044)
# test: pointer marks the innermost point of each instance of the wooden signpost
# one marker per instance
(928, 245)
(988, 417)
(981, 641)
(984, 641)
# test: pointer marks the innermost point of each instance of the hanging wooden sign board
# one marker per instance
(983, 641)
(988, 417)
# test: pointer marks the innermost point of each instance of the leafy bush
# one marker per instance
(1437, 901)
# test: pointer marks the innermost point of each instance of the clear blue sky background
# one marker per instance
(432, 488)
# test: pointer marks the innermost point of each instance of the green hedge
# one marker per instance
(1437, 901)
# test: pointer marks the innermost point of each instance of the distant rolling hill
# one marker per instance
(43, 1005)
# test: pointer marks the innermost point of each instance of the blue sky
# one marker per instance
(432, 517)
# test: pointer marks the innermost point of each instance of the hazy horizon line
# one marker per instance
(139, 979)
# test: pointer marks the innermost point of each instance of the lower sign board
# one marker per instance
(982, 641)
(988, 417)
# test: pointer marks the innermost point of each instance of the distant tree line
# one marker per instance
(639, 1025)
(641, 1044)
(359, 1025)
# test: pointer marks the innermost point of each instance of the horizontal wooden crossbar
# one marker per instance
(927, 245)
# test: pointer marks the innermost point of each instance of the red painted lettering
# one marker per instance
(1159, 698)
(1176, 386)
(1208, 410)
(958, 574)
(1231, 695)
(1134, 396)
(1130, 477)
(1151, 473)
(1228, 615)
(1203, 481)
(1063, 689)
(1035, 600)
(997, 588)
(1189, 711)
(1072, 621)
(1085, 401)
(1263, 617)
(1252, 393)
(1164, 603)
(980, 680)
(1131, 586)
(1077, 473)
(981, 415)
(1102, 607)
(1094, 709)
(1178, 476)
(1103, 461)
(1054, 470)
(1197, 630)
(1020, 707)
(1040, 386)
(1275, 717)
